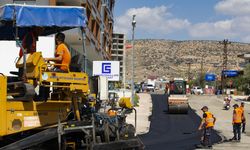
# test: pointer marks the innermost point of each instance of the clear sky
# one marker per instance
(185, 19)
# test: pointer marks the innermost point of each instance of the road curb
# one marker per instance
(238, 100)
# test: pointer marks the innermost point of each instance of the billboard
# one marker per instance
(110, 69)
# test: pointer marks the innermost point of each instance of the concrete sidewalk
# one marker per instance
(144, 110)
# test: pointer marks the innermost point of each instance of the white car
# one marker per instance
(150, 88)
(196, 90)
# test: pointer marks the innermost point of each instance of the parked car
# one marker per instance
(197, 90)
(150, 88)
(138, 88)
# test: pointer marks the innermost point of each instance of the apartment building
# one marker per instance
(118, 51)
(98, 32)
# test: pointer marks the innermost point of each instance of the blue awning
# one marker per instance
(52, 18)
(44, 16)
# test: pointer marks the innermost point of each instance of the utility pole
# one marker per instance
(201, 71)
(189, 69)
(132, 60)
(225, 43)
(124, 68)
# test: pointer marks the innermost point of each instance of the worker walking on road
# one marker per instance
(207, 125)
(238, 116)
(242, 104)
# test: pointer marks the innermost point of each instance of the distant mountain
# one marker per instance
(170, 58)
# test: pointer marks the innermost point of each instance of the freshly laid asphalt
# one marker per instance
(172, 131)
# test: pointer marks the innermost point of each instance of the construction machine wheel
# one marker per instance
(178, 109)
(127, 132)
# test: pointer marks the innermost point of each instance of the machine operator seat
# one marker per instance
(75, 66)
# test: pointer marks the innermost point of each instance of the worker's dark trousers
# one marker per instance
(243, 126)
(237, 131)
(207, 137)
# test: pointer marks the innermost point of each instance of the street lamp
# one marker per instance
(132, 60)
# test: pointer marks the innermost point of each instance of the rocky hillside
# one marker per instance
(169, 58)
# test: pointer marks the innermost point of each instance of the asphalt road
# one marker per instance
(172, 131)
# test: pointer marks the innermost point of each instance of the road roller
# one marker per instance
(177, 101)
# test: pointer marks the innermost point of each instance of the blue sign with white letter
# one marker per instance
(106, 67)
(230, 73)
(210, 77)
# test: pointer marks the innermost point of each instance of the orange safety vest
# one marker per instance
(237, 117)
(33, 46)
(242, 108)
(209, 120)
(63, 50)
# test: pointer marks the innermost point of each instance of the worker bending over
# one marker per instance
(238, 116)
(207, 125)
(62, 54)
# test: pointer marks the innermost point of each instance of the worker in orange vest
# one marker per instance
(207, 125)
(242, 104)
(238, 116)
(62, 54)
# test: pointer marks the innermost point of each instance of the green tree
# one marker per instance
(242, 82)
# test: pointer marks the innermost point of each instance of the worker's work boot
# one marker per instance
(200, 146)
(207, 147)
(233, 139)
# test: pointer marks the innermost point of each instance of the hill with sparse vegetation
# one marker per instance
(170, 58)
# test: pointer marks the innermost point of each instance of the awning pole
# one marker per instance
(20, 45)
(84, 49)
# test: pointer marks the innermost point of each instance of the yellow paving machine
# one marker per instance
(44, 109)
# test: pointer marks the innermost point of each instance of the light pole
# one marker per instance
(132, 60)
